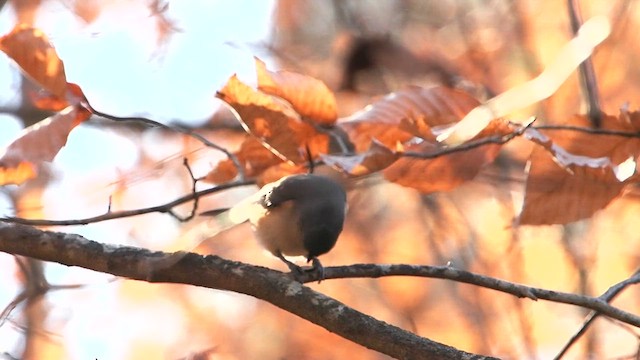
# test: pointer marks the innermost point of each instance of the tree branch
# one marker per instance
(217, 273)
(598, 304)
(269, 285)
(188, 132)
(609, 295)
(164, 208)
(589, 85)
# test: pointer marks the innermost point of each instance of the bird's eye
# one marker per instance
(266, 202)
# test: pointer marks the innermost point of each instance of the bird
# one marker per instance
(298, 215)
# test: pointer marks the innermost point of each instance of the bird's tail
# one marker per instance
(220, 220)
(217, 221)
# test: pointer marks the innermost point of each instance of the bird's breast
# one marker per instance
(279, 231)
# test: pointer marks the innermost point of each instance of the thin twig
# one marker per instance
(503, 139)
(599, 131)
(586, 71)
(608, 296)
(149, 122)
(164, 208)
(194, 208)
(496, 139)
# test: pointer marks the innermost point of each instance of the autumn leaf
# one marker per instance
(33, 53)
(50, 102)
(38, 143)
(31, 50)
(277, 172)
(386, 120)
(406, 120)
(274, 122)
(17, 174)
(573, 174)
(556, 196)
(418, 126)
(308, 96)
(447, 171)
(224, 171)
(376, 158)
(253, 157)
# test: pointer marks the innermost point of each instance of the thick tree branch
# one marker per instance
(269, 285)
(217, 273)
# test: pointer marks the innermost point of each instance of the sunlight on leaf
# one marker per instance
(373, 160)
(592, 33)
(556, 196)
(18, 174)
(392, 119)
(574, 174)
(310, 97)
(31, 50)
(279, 171)
(38, 143)
(443, 173)
(274, 122)
(224, 171)
(253, 157)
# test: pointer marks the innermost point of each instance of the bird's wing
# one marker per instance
(251, 208)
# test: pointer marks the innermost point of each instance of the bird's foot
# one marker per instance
(316, 270)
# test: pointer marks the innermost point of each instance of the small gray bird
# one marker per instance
(296, 215)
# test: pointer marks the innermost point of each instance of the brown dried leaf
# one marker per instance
(442, 173)
(310, 97)
(74, 95)
(18, 174)
(274, 122)
(418, 126)
(38, 143)
(31, 50)
(224, 171)
(252, 155)
(375, 159)
(436, 106)
(279, 171)
(573, 174)
(555, 195)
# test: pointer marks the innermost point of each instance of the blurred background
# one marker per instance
(164, 60)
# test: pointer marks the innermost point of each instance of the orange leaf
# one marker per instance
(375, 159)
(38, 143)
(50, 102)
(556, 196)
(17, 175)
(277, 172)
(223, 172)
(31, 50)
(273, 122)
(382, 120)
(418, 126)
(442, 173)
(573, 174)
(310, 97)
(252, 155)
